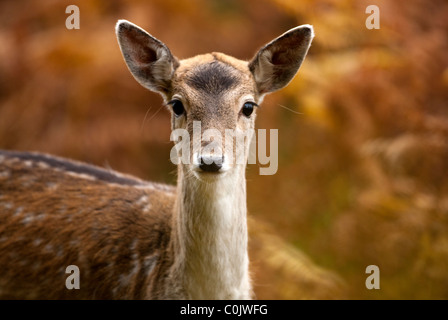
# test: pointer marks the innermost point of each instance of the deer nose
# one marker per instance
(210, 163)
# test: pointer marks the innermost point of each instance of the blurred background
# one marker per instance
(363, 157)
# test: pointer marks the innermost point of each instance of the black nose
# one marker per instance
(211, 163)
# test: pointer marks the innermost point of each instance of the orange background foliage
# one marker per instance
(363, 159)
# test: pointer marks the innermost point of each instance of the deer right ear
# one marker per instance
(149, 60)
(274, 66)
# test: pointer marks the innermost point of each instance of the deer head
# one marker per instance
(214, 94)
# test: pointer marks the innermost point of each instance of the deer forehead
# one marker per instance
(213, 79)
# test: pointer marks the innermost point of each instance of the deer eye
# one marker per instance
(177, 106)
(248, 108)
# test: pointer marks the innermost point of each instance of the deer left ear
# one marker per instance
(276, 64)
(149, 60)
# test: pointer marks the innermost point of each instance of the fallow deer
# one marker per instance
(133, 239)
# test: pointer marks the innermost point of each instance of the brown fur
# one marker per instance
(40, 234)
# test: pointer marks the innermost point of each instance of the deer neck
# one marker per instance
(210, 237)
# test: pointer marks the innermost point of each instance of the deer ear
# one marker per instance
(149, 60)
(276, 64)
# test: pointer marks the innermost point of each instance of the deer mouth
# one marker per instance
(209, 173)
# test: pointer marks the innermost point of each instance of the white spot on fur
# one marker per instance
(43, 165)
(80, 175)
(74, 243)
(133, 247)
(146, 187)
(8, 205)
(24, 263)
(52, 185)
(149, 263)
(28, 219)
(40, 216)
(157, 186)
(143, 202)
(28, 163)
(18, 211)
(5, 174)
(125, 279)
(114, 292)
(60, 253)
